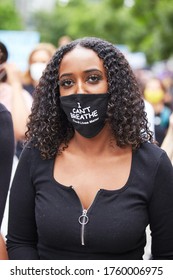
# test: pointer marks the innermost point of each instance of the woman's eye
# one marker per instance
(66, 83)
(94, 79)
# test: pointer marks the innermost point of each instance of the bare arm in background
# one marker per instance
(3, 252)
(167, 144)
(21, 101)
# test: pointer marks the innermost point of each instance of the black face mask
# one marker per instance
(86, 112)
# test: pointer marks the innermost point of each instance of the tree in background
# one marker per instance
(9, 17)
(144, 26)
(85, 18)
(154, 28)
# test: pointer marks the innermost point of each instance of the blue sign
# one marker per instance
(19, 45)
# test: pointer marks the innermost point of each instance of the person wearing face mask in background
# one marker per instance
(38, 59)
(155, 94)
(90, 178)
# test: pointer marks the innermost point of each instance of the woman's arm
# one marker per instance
(22, 230)
(161, 211)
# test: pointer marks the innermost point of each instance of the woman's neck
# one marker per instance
(96, 145)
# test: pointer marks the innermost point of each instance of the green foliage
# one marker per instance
(155, 21)
(114, 4)
(9, 18)
(165, 18)
(51, 26)
(85, 18)
(145, 26)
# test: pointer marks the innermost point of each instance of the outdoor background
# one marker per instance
(142, 28)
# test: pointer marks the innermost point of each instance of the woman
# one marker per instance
(90, 179)
(6, 160)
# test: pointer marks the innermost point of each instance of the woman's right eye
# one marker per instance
(66, 83)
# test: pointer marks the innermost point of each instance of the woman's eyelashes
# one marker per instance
(91, 79)
(66, 83)
(94, 78)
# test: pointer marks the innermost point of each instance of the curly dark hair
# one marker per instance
(48, 127)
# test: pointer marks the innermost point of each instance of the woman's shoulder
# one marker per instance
(30, 158)
(150, 151)
(31, 161)
(151, 146)
(30, 151)
(150, 158)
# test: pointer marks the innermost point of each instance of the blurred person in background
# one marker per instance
(38, 59)
(142, 76)
(6, 160)
(12, 95)
(167, 144)
(155, 93)
(63, 40)
(167, 80)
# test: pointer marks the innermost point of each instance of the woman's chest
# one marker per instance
(115, 221)
(88, 176)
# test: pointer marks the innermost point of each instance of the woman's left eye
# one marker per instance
(94, 79)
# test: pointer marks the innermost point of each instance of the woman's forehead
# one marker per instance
(80, 57)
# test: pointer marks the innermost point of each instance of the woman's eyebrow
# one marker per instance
(65, 74)
(86, 71)
(92, 70)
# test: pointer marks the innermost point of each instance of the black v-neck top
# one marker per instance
(47, 220)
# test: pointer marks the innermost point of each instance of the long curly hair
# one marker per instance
(48, 126)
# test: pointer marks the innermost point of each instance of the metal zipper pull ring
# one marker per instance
(83, 219)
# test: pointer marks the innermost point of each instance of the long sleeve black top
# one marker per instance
(44, 215)
(6, 155)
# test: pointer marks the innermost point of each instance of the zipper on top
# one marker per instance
(83, 220)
